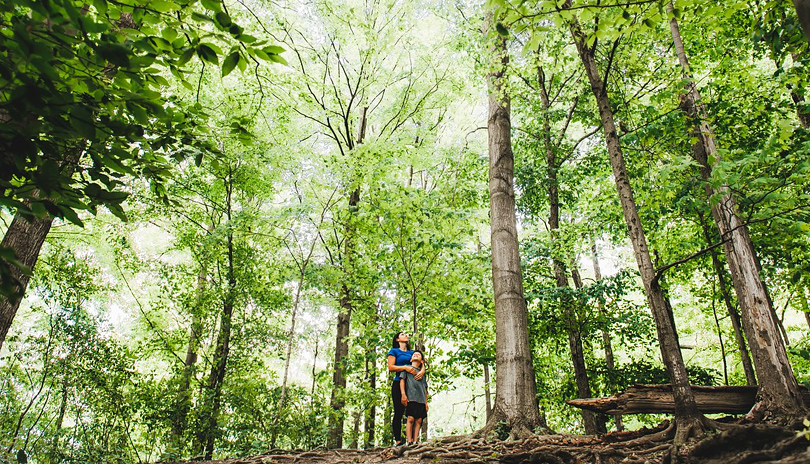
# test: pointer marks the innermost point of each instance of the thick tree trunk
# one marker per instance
(688, 419)
(779, 397)
(734, 317)
(803, 12)
(25, 236)
(515, 401)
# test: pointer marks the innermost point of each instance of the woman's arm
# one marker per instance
(392, 367)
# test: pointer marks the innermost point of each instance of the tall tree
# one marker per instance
(778, 397)
(515, 401)
(688, 419)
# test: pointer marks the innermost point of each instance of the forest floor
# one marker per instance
(741, 445)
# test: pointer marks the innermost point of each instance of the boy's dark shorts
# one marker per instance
(417, 410)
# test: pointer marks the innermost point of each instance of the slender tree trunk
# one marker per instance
(314, 367)
(734, 316)
(515, 401)
(291, 340)
(355, 444)
(607, 346)
(720, 338)
(183, 398)
(779, 396)
(487, 393)
(371, 407)
(688, 419)
(566, 301)
(338, 400)
(213, 392)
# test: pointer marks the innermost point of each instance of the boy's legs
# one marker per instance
(409, 430)
(416, 426)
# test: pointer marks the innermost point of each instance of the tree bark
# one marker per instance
(688, 419)
(657, 399)
(25, 236)
(515, 396)
(803, 12)
(779, 397)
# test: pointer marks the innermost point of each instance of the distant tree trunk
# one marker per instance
(688, 419)
(779, 396)
(566, 301)
(356, 430)
(734, 316)
(371, 407)
(515, 401)
(213, 392)
(338, 400)
(487, 393)
(607, 346)
(183, 397)
(302, 269)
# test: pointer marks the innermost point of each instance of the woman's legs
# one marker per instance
(399, 410)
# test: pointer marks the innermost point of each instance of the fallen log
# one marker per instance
(655, 399)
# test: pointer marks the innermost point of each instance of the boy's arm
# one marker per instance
(402, 391)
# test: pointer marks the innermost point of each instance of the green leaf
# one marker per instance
(502, 30)
(163, 6)
(207, 53)
(229, 63)
(215, 5)
(169, 34)
(273, 50)
(114, 53)
(278, 59)
(223, 19)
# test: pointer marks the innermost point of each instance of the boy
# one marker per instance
(414, 397)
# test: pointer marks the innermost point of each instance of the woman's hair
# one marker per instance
(395, 343)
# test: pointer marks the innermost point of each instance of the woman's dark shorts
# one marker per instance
(417, 410)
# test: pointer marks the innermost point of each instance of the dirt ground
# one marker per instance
(743, 444)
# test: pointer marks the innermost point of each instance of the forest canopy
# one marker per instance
(216, 214)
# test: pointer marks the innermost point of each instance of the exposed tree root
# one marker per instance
(735, 444)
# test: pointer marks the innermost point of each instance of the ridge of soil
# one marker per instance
(743, 444)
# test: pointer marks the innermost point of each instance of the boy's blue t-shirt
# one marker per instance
(401, 358)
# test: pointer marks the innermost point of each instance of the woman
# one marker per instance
(399, 360)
